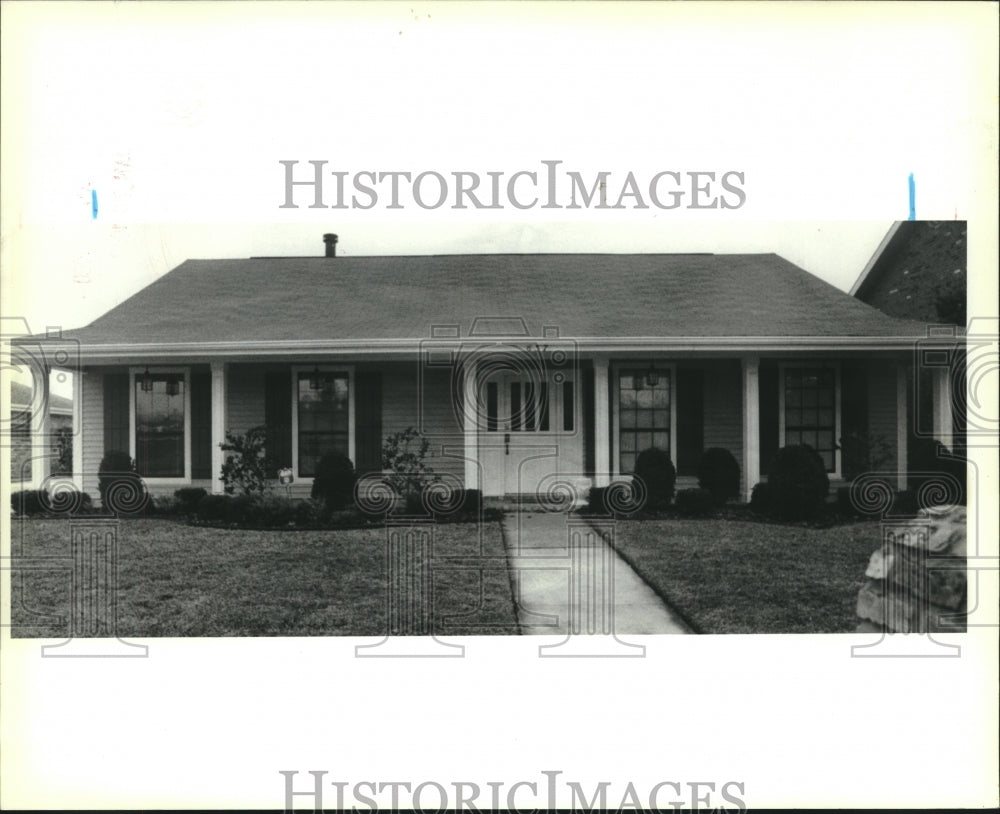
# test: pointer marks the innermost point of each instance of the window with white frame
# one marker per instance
(160, 422)
(644, 420)
(322, 410)
(809, 414)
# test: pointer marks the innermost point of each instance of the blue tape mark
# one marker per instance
(93, 203)
(913, 198)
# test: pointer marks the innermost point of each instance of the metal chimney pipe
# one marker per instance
(331, 244)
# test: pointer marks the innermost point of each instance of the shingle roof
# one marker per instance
(395, 297)
(20, 398)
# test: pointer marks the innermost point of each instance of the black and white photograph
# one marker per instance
(610, 386)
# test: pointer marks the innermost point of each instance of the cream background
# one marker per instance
(177, 114)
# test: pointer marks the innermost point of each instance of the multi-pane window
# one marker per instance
(159, 425)
(810, 411)
(322, 417)
(643, 414)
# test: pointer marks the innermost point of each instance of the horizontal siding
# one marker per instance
(92, 419)
(723, 426)
(433, 410)
(882, 405)
(244, 397)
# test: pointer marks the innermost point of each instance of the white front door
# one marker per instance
(530, 432)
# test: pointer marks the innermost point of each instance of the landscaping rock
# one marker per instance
(918, 576)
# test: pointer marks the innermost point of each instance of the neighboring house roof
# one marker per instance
(20, 400)
(392, 298)
(917, 261)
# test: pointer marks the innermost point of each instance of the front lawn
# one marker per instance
(180, 580)
(728, 576)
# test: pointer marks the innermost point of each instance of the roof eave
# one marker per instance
(372, 347)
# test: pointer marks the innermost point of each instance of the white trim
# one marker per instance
(750, 387)
(218, 405)
(943, 427)
(602, 422)
(41, 440)
(294, 372)
(614, 377)
(201, 351)
(470, 424)
(138, 370)
(835, 366)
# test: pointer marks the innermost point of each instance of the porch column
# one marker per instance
(41, 443)
(78, 429)
(602, 423)
(218, 424)
(470, 424)
(943, 428)
(902, 418)
(751, 424)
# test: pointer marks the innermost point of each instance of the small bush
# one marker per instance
(214, 508)
(845, 506)
(657, 473)
(165, 504)
(245, 471)
(29, 501)
(309, 513)
(695, 502)
(760, 498)
(798, 483)
(188, 498)
(406, 470)
(334, 481)
(863, 452)
(616, 500)
(719, 474)
(122, 490)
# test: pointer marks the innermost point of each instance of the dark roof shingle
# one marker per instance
(395, 297)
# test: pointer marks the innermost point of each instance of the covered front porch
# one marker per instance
(508, 419)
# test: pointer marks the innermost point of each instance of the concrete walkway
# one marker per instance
(567, 579)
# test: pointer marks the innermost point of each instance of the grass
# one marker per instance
(180, 580)
(729, 576)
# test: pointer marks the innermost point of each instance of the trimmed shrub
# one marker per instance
(657, 473)
(165, 504)
(719, 474)
(616, 500)
(122, 490)
(308, 512)
(844, 505)
(214, 508)
(695, 502)
(189, 497)
(334, 481)
(29, 501)
(798, 482)
(760, 498)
